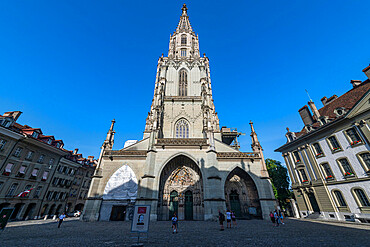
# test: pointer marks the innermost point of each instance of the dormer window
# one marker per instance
(58, 145)
(290, 137)
(35, 134)
(49, 141)
(5, 123)
(339, 111)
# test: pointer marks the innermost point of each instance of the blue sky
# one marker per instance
(71, 66)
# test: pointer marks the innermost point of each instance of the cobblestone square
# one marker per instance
(191, 233)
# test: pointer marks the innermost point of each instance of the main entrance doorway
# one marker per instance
(241, 195)
(181, 190)
(174, 204)
(315, 206)
(188, 205)
(118, 213)
(235, 203)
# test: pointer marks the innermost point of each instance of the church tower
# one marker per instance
(182, 106)
(185, 163)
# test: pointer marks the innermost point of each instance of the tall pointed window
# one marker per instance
(183, 83)
(182, 129)
(183, 39)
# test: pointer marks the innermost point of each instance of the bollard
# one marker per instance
(54, 217)
(46, 217)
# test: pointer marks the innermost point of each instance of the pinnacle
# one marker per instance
(184, 9)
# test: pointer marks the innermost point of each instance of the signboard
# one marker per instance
(4, 217)
(140, 221)
(252, 210)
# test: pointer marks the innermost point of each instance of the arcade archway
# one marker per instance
(241, 195)
(181, 190)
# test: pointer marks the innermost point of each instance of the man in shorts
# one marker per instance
(228, 219)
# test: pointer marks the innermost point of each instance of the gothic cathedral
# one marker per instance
(185, 162)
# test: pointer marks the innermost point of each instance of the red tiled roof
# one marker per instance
(366, 69)
(347, 101)
(42, 136)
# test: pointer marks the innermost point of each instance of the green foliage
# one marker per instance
(280, 181)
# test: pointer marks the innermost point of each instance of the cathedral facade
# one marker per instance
(185, 163)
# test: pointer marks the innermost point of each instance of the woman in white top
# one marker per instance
(228, 219)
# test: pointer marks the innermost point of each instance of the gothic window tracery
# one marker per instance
(183, 39)
(182, 129)
(183, 83)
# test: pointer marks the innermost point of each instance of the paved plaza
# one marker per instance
(191, 233)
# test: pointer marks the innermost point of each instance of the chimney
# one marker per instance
(367, 71)
(332, 98)
(355, 83)
(14, 114)
(323, 100)
(314, 110)
(76, 151)
(90, 158)
(306, 115)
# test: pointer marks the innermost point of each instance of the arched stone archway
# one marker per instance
(29, 211)
(51, 210)
(43, 210)
(241, 195)
(79, 207)
(58, 210)
(119, 195)
(181, 190)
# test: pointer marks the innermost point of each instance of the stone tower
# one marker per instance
(185, 163)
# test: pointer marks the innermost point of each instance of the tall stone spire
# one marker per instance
(109, 141)
(184, 42)
(184, 23)
(256, 147)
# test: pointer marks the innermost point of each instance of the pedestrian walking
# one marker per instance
(228, 219)
(221, 219)
(281, 216)
(61, 218)
(174, 223)
(233, 218)
(272, 218)
(276, 216)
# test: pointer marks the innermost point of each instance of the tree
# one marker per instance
(280, 181)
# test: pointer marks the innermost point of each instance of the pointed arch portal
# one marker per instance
(181, 190)
(122, 185)
(241, 195)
